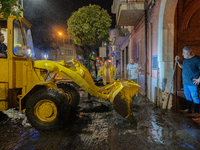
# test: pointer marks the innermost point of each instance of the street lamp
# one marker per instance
(60, 34)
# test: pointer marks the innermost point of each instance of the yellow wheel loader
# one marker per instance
(26, 83)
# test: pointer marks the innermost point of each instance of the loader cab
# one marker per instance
(13, 69)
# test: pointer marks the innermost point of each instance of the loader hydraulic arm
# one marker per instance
(81, 76)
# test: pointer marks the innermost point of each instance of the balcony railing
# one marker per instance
(128, 5)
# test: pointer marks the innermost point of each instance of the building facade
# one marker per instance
(64, 48)
(158, 30)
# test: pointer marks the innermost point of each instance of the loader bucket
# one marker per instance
(123, 100)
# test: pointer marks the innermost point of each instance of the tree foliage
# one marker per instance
(89, 24)
(6, 7)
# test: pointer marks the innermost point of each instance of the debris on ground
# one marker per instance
(15, 115)
(96, 125)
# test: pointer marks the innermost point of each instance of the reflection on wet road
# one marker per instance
(97, 126)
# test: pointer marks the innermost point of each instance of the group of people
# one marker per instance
(190, 74)
(109, 72)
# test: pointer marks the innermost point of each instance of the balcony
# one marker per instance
(128, 11)
(118, 36)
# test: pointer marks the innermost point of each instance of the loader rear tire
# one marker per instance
(47, 109)
(74, 97)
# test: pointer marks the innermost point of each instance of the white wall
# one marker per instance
(166, 42)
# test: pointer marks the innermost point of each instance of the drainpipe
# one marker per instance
(22, 6)
(145, 61)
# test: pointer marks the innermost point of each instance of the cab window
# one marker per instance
(18, 38)
(3, 45)
(28, 37)
(3, 27)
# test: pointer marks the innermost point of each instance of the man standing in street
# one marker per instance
(132, 71)
(108, 71)
(191, 79)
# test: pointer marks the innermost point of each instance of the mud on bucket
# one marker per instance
(123, 100)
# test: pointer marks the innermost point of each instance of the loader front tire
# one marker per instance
(47, 109)
(74, 97)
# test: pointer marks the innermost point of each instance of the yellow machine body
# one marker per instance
(21, 75)
(81, 76)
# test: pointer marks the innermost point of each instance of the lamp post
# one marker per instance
(21, 5)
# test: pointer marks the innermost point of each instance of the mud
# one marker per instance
(96, 125)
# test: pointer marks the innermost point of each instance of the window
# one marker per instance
(62, 52)
(3, 26)
(127, 56)
(71, 41)
(123, 67)
(69, 52)
(28, 37)
(138, 50)
(17, 38)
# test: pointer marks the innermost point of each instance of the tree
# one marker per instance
(6, 7)
(89, 25)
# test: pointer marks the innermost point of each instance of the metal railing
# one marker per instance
(120, 2)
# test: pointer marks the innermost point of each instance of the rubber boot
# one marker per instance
(189, 108)
(195, 114)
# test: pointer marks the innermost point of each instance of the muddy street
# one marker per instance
(96, 125)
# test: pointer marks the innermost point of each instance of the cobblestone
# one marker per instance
(97, 126)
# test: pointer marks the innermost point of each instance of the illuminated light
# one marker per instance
(45, 56)
(28, 51)
(97, 58)
(60, 33)
(109, 60)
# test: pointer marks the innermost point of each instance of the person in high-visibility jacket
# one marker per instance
(108, 71)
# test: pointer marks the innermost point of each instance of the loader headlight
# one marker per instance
(45, 56)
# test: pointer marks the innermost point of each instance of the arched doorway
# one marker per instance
(187, 32)
(166, 42)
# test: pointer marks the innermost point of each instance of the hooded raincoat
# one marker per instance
(111, 72)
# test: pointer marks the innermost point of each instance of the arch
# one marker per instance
(195, 5)
(166, 18)
(166, 43)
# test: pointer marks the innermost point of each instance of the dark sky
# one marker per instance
(48, 15)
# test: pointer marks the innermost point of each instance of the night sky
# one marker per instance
(52, 15)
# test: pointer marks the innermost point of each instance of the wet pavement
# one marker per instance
(96, 126)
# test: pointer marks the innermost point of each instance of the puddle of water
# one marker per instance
(186, 145)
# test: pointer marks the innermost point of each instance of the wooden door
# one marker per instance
(187, 33)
